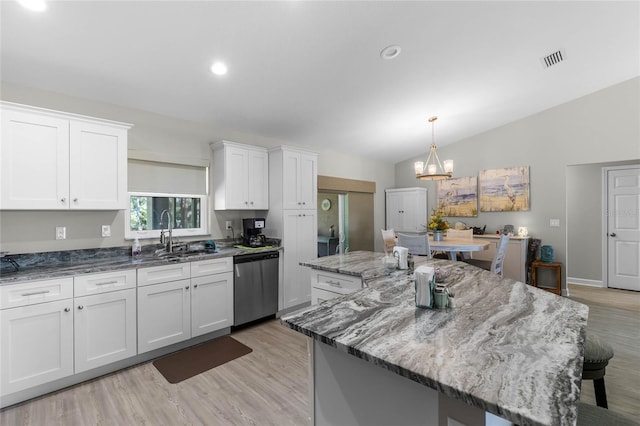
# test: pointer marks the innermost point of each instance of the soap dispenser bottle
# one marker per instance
(136, 248)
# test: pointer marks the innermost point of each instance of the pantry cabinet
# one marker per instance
(406, 209)
(299, 240)
(240, 177)
(56, 161)
(36, 333)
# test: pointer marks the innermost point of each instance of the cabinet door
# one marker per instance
(164, 314)
(236, 179)
(299, 239)
(98, 165)
(34, 162)
(105, 328)
(211, 303)
(414, 207)
(36, 344)
(258, 180)
(395, 213)
(308, 181)
(290, 180)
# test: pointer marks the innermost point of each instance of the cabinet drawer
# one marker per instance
(32, 292)
(211, 266)
(328, 280)
(84, 285)
(163, 274)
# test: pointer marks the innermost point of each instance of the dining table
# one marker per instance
(453, 246)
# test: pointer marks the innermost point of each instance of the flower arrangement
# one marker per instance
(436, 221)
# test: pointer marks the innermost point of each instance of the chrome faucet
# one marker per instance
(163, 238)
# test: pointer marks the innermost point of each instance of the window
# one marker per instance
(148, 213)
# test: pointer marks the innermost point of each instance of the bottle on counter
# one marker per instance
(136, 248)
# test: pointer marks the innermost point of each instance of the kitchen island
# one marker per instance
(505, 348)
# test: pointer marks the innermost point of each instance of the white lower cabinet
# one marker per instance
(164, 314)
(105, 328)
(36, 339)
(329, 285)
(200, 302)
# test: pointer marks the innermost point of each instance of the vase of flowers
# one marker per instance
(437, 224)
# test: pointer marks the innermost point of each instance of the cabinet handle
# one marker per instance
(108, 282)
(613, 234)
(63, 200)
(67, 309)
(80, 307)
(75, 200)
(186, 288)
(195, 286)
(35, 293)
(334, 283)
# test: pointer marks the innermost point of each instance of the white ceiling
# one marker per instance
(310, 72)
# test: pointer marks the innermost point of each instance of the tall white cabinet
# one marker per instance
(240, 176)
(293, 191)
(52, 160)
(407, 209)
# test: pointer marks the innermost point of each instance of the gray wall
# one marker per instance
(585, 210)
(24, 232)
(600, 127)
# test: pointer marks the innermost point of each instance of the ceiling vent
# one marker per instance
(553, 59)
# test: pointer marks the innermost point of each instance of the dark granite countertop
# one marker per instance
(508, 348)
(38, 266)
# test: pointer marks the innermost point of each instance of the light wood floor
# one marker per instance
(269, 385)
(614, 315)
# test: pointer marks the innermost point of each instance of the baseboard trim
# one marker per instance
(583, 281)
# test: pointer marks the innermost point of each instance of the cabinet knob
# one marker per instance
(251, 202)
(186, 288)
(613, 234)
(195, 286)
(80, 307)
(304, 203)
(67, 309)
(63, 200)
(246, 202)
(75, 200)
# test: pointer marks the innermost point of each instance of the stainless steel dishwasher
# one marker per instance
(255, 285)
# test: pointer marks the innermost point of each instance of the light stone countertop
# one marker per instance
(508, 348)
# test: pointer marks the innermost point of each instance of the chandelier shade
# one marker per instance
(433, 169)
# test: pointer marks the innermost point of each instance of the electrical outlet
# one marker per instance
(554, 223)
(106, 230)
(227, 224)
(61, 232)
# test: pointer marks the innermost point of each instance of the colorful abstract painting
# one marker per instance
(458, 197)
(504, 190)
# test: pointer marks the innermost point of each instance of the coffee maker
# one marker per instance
(252, 232)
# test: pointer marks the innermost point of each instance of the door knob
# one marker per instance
(613, 234)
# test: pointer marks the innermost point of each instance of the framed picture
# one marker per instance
(504, 190)
(458, 196)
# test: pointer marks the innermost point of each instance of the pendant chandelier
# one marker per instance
(432, 169)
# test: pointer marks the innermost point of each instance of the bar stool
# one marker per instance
(597, 354)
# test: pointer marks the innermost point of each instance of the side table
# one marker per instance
(555, 267)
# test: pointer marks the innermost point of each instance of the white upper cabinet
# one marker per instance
(240, 177)
(407, 209)
(298, 177)
(57, 161)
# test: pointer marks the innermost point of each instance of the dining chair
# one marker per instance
(496, 265)
(418, 244)
(461, 234)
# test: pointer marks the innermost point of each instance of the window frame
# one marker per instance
(130, 234)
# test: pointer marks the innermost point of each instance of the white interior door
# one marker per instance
(623, 228)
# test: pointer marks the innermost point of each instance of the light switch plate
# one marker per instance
(106, 230)
(554, 223)
(227, 224)
(61, 232)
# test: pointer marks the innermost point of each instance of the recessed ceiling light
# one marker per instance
(219, 68)
(35, 5)
(390, 52)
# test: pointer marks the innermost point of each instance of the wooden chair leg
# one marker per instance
(601, 393)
